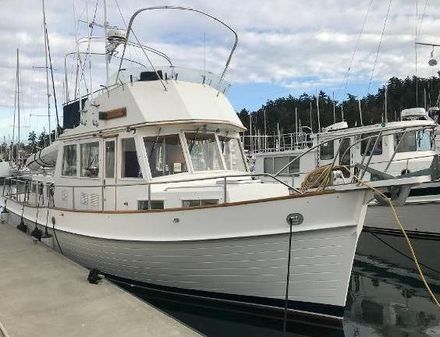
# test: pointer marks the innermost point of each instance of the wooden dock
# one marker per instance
(42, 293)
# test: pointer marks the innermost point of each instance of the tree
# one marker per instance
(32, 139)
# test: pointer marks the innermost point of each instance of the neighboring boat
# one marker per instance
(152, 186)
(407, 152)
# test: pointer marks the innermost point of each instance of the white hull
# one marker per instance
(221, 253)
(419, 216)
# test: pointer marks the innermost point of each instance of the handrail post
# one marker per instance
(379, 136)
(225, 196)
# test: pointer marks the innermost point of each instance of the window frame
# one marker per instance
(189, 159)
(98, 177)
(243, 157)
(182, 145)
(77, 161)
(121, 159)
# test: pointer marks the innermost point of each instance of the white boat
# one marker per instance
(152, 186)
(405, 152)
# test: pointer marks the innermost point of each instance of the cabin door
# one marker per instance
(344, 153)
(109, 180)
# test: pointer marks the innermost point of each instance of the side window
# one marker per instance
(110, 159)
(280, 162)
(165, 155)
(326, 151)
(90, 160)
(69, 160)
(129, 166)
(268, 165)
(232, 153)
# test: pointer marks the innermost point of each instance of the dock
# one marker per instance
(45, 294)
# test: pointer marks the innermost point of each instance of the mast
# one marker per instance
(386, 104)
(296, 127)
(334, 108)
(47, 71)
(317, 110)
(11, 149)
(18, 108)
(105, 44)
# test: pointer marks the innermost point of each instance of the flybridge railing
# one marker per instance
(132, 74)
(276, 143)
(36, 193)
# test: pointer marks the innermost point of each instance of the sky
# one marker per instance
(285, 47)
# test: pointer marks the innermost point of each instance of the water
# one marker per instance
(386, 298)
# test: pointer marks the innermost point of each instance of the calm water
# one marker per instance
(386, 298)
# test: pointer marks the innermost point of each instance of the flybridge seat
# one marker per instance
(151, 75)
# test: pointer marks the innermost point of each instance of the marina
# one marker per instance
(151, 206)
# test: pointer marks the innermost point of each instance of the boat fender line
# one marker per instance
(21, 226)
(289, 256)
(95, 276)
(405, 235)
(50, 202)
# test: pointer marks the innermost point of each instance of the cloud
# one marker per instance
(297, 45)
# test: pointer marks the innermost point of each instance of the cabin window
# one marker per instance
(414, 141)
(130, 165)
(90, 160)
(69, 160)
(232, 154)
(204, 151)
(197, 203)
(367, 151)
(165, 155)
(274, 164)
(110, 159)
(155, 204)
(326, 151)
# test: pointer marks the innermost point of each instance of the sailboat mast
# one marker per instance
(105, 44)
(47, 71)
(18, 107)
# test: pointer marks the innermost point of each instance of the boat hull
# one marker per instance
(249, 269)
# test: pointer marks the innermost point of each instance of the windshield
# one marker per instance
(232, 154)
(204, 152)
(165, 155)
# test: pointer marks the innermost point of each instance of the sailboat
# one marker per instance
(150, 185)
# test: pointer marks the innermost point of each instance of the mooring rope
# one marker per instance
(411, 249)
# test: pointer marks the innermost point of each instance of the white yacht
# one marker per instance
(406, 152)
(152, 186)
